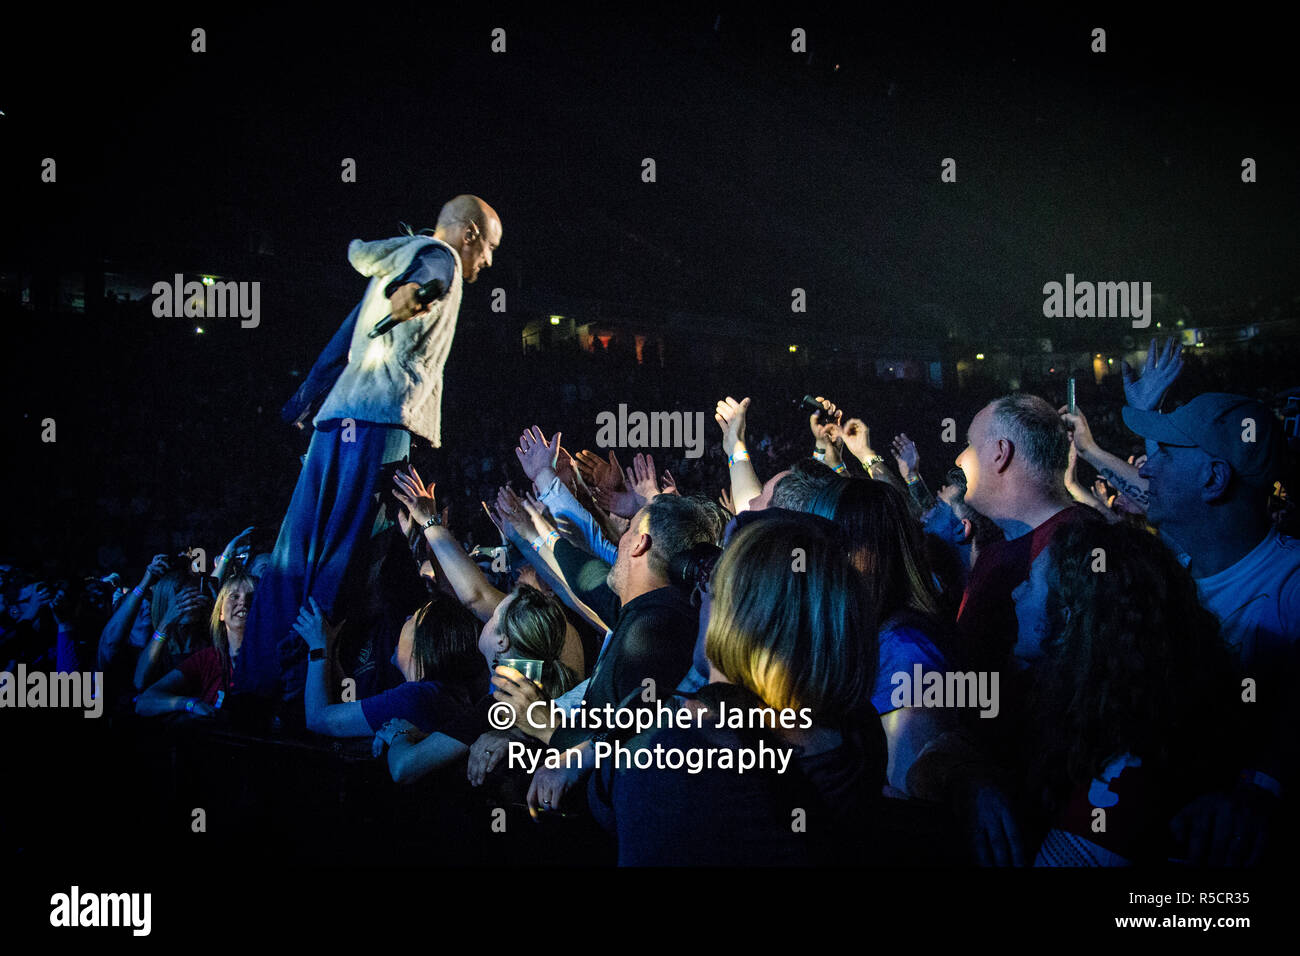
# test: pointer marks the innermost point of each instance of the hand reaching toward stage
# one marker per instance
(566, 469)
(536, 512)
(641, 477)
(668, 484)
(599, 473)
(511, 509)
(412, 493)
(536, 454)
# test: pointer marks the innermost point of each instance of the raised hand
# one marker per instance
(1080, 431)
(857, 438)
(599, 473)
(905, 455)
(411, 492)
(1158, 374)
(511, 509)
(37, 598)
(157, 568)
(644, 483)
(832, 416)
(188, 601)
(536, 512)
(535, 453)
(567, 469)
(668, 484)
(730, 416)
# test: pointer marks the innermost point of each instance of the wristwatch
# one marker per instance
(316, 654)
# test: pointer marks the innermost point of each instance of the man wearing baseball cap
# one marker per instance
(1210, 467)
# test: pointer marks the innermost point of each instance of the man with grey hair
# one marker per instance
(801, 485)
(1014, 462)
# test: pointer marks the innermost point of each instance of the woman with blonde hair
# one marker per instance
(194, 685)
(791, 655)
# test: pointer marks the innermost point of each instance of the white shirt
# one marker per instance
(1257, 600)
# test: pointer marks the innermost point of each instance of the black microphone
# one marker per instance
(431, 290)
(812, 405)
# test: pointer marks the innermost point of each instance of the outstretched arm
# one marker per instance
(118, 628)
(745, 486)
(468, 581)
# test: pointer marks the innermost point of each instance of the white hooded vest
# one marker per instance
(395, 379)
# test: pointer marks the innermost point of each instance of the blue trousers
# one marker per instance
(332, 517)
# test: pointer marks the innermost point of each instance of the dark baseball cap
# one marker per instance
(1236, 429)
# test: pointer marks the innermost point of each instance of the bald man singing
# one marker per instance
(377, 393)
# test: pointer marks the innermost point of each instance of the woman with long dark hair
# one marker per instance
(886, 546)
(438, 654)
(526, 624)
(1131, 709)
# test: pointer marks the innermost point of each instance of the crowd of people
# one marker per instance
(1074, 644)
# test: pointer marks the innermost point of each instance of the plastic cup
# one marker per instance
(528, 667)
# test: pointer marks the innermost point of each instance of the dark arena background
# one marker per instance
(910, 213)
